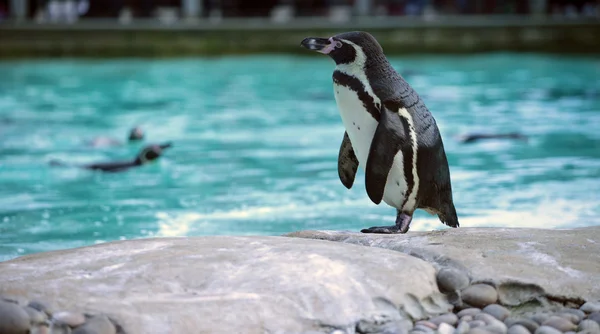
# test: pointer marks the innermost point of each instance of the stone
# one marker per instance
(265, 284)
(98, 324)
(560, 323)
(462, 328)
(468, 311)
(485, 317)
(525, 264)
(594, 316)
(445, 328)
(530, 324)
(57, 328)
(480, 295)
(573, 318)
(467, 318)
(40, 306)
(588, 324)
(540, 318)
(547, 330)
(579, 313)
(427, 324)
(71, 319)
(422, 329)
(42, 329)
(497, 311)
(35, 317)
(590, 307)
(518, 329)
(479, 330)
(497, 327)
(477, 323)
(452, 279)
(13, 318)
(448, 318)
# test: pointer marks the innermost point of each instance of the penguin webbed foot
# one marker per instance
(402, 225)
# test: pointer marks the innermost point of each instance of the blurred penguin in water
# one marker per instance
(136, 134)
(146, 155)
(474, 137)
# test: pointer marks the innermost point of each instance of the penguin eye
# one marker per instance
(338, 44)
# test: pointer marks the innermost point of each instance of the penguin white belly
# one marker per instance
(361, 126)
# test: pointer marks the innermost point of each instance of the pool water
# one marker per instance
(255, 143)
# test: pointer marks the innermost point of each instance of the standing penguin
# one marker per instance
(390, 133)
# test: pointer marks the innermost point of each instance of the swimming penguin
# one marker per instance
(146, 155)
(473, 137)
(390, 133)
(135, 134)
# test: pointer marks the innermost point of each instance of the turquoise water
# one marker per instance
(255, 142)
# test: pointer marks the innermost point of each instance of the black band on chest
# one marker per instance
(354, 84)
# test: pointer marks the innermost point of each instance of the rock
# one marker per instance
(448, 318)
(476, 323)
(444, 328)
(524, 264)
(497, 311)
(491, 324)
(422, 329)
(468, 311)
(266, 284)
(98, 324)
(56, 328)
(518, 329)
(573, 318)
(540, 318)
(590, 307)
(579, 313)
(452, 279)
(479, 330)
(590, 325)
(13, 318)
(426, 324)
(467, 318)
(559, 323)
(71, 319)
(35, 317)
(531, 325)
(42, 329)
(11, 298)
(487, 318)
(480, 295)
(40, 306)
(594, 316)
(547, 330)
(463, 327)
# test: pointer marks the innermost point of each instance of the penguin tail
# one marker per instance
(449, 216)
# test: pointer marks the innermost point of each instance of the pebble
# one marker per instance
(569, 316)
(448, 318)
(451, 279)
(463, 327)
(578, 313)
(467, 318)
(40, 330)
(35, 317)
(594, 316)
(477, 323)
(444, 328)
(588, 325)
(478, 330)
(58, 328)
(497, 311)
(559, 323)
(540, 318)
(547, 330)
(468, 311)
(72, 319)
(13, 319)
(590, 307)
(40, 306)
(98, 324)
(422, 329)
(518, 329)
(426, 324)
(487, 318)
(480, 295)
(531, 325)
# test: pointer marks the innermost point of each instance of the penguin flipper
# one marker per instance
(390, 137)
(347, 162)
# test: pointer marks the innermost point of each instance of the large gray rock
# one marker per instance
(562, 264)
(232, 285)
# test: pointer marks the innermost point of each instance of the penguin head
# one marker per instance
(136, 134)
(346, 48)
(151, 153)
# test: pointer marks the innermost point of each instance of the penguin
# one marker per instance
(146, 155)
(390, 133)
(473, 137)
(136, 134)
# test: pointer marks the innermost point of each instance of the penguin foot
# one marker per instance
(402, 225)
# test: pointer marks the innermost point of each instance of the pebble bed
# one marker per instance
(477, 310)
(18, 316)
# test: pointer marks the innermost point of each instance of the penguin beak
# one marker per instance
(321, 45)
(165, 145)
